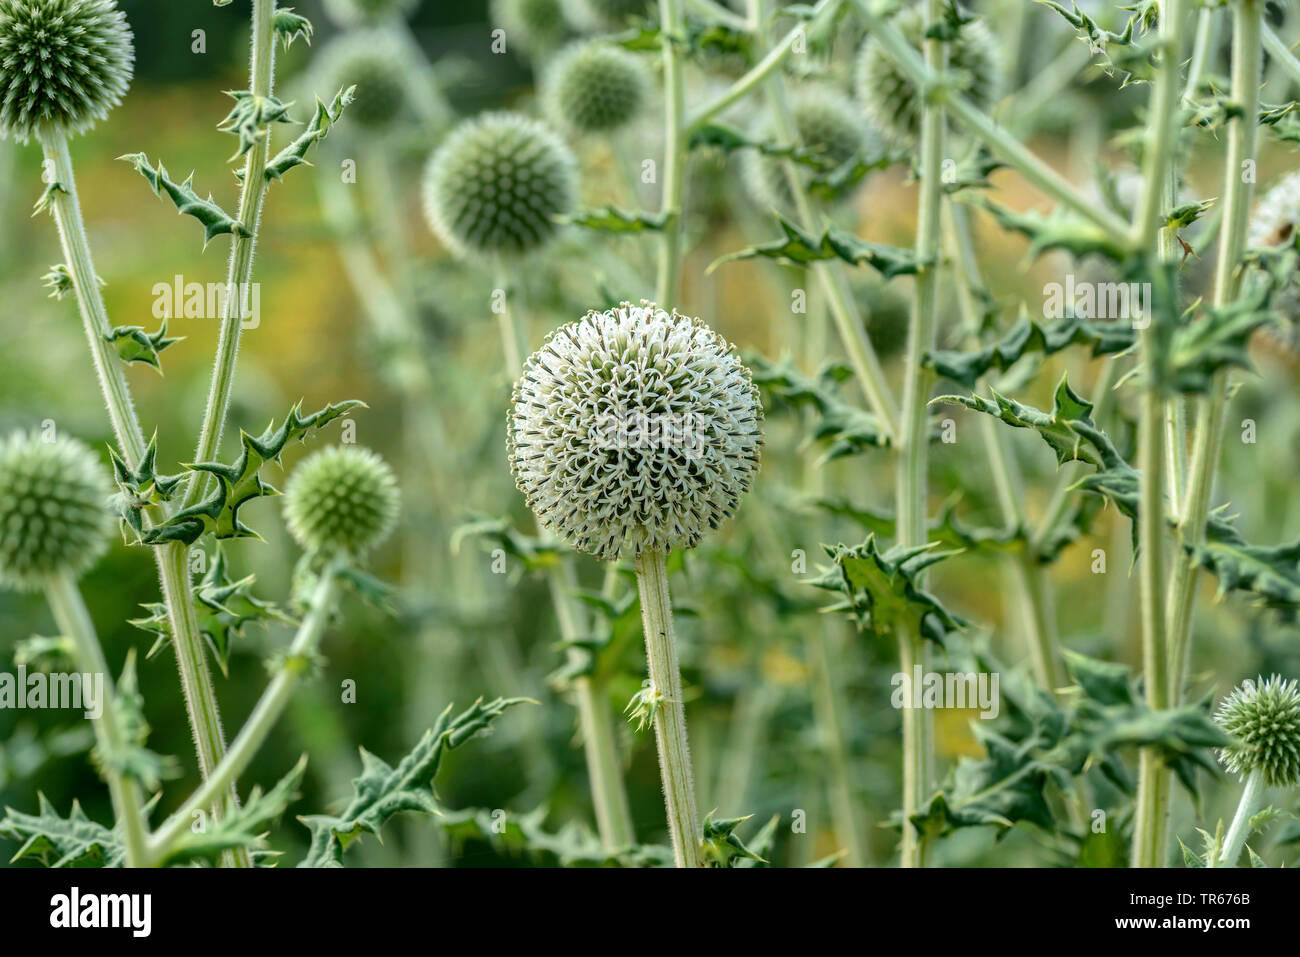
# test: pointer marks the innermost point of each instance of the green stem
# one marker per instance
(997, 139)
(1280, 52)
(240, 270)
(262, 720)
(1243, 145)
(74, 622)
(763, 68)
(668, 278)
(173, 571)
(670, 716)
(1152, 809)
(1251, 798)
(839, 297)
(913, 441)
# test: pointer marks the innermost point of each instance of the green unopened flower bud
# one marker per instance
(370, 60)
(63, 65)
(531, 26)
(893, 101)
(634, 429)
(341, 500)
(594, 87)
(829, 125)
(1265, 718)
(498, 184)
(54, 514)
(351, 12)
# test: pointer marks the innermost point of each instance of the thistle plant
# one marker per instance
(1263, 717)
(633, 432)
(371, 63)
(535, 26)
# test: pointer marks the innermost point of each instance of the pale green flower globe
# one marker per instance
(1264, 716)
(63, 65)
(341, 500)
(891, 99)
(498, 185)
(370, 60)
(531, 26)
(349, 13)
(54, 510)
(634, 429)
(829, 125)
(594, 87)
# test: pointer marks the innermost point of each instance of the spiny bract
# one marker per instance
(351, 12)
(54, 514)
(890, 98)
(634, 428)
(371, 61)
(1265, 717)
(1276, 219)
(533, 26)
(829, 125)
(594, 87)
(63, 65)
(341, 499)
(498, 185)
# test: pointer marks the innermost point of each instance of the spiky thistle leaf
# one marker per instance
(214, 220)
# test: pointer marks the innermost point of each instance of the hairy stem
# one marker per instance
(1251, 798)
(1152, 810)
(1243, 145)
(265, 714)
(668, 277)
(74, 622)
(670, 715)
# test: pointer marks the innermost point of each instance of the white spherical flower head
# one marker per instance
(63, 65)
(634, 429)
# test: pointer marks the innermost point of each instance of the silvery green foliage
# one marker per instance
(351, 12)
(1276, 218)
(634, 429)
(1264, 716)
(594, 87)
(829, 125)
(531, 26)
(375, 65)
(891, 99)
(54, 515)
(498, 184)
(601, 16)
(63, 65)
(341, 499)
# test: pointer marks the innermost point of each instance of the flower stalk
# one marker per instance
(1251, 798)
(668, 275)
(670, 714)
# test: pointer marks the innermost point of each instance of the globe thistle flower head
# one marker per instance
(1276, 219)
(1264, 717)
(531, 26)
(829, 126)
(54, 514)
(594, 87)
(372, 62)
(341, 500)
(892, 100)
(349, 13)
(63, 65)
(605, 16)
(634, 429)
(498, 185)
